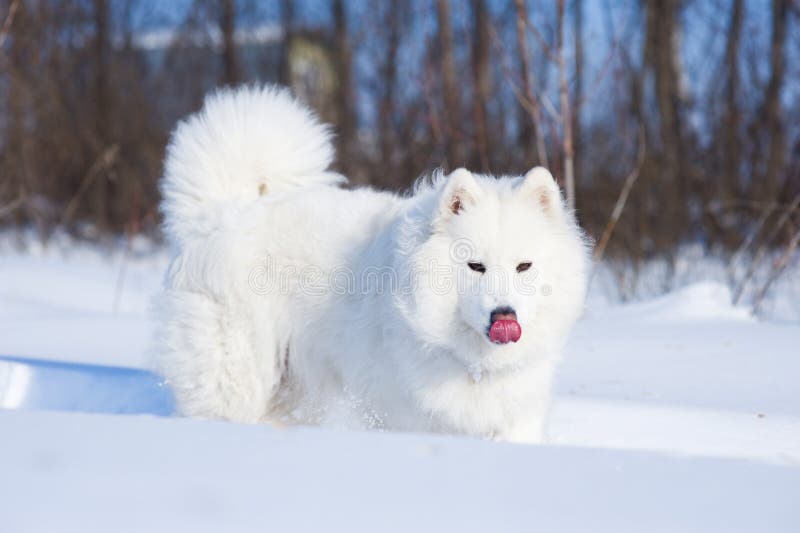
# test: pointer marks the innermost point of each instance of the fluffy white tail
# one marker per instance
(242, 144)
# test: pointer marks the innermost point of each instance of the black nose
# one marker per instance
(503, 313)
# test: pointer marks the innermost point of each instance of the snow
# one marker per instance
(677, 430)
(163, 38)
(739, 365)
(680, 412)
(36, 384)
(142, 474)
(78, 303)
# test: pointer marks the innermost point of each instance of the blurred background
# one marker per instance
(673, 126)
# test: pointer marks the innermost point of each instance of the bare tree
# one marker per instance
(530, 100)
(8, 21)
(578, 86)
(566, 120)
(8, 203)
(230, 57)
(450, 93)
(772, 98)
(667, 71)
(287, 25)
(482, 79)
(344, 93)
(662, 58)
(622, 199)
(764, 249)
(86, 109)
(102, 110)
(731, 142)
(778, 268)
(394, 19)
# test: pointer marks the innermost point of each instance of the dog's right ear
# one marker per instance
(458, 194)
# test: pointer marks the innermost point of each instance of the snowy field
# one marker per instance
(679, 413)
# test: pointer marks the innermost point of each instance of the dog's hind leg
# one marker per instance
(219, 364)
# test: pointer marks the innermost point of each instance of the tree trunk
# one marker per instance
(664, 61)
(578, 96)
(482, 79)
(449, 88)
(287, 21)
(227, 26)
(102, 46)
(344, 93)
(667, 77)
(12, 152)
(531, 133)
(566, 119)
(386, 110)
(772, 99)
(732, 150)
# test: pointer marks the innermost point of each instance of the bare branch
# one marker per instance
(548, 51)
(762, 220)
(619, 206)
(762, 251)
(12, 12)
(10, 207)
(105, 160)
(780, 267)
(606, 65)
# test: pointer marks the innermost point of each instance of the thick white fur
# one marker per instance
(290, 300)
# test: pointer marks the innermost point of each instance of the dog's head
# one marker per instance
(501, 274)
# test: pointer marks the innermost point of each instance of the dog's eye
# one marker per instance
(477, 267)
(522, 267)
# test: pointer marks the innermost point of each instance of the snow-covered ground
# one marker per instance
(679, 413)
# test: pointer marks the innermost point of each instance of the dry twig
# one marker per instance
(104, 161)
(762, 251)
(619, 206)
(780, 267)
(12, 12)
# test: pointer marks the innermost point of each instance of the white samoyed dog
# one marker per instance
(290, 300)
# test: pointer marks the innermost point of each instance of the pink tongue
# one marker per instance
(505, 331)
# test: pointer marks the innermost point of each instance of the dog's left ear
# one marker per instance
(539, 184)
